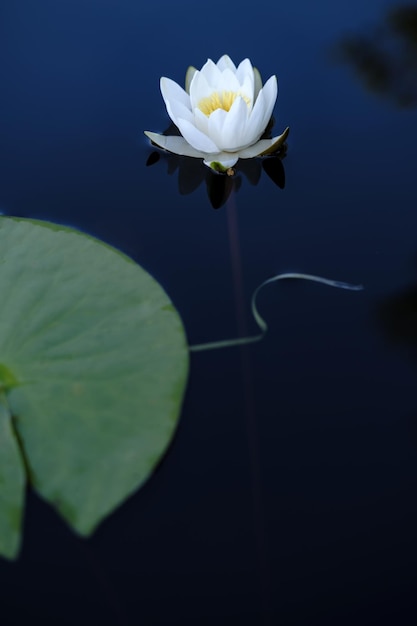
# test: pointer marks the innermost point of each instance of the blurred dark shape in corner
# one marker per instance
(397, 315)
(385, 59)
(192, 172)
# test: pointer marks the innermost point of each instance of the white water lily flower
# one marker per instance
(221, 115)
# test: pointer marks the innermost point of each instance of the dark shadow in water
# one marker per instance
(385, 59)
(397, 315)
(192, 172)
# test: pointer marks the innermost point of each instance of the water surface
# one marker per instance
(288, 496)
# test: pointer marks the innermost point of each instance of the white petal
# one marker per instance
(276, 142)
(226, 159)
(196, 138)
(199, 89)
(177, 110)
(264, 146)
(244, 70)
(247, 90)
(234, 127)
(172, 91)
(270, 91)
(211, 73)
(224, 62)
(255, 126)
(189, 77)
(255, 149)
(215, 127)
(258, 81)
(262, 111)
(175, 144)
(201, 121)
(228, 81)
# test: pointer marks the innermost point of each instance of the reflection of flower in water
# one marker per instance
(386, 59)
(221, 115)
(192, 172)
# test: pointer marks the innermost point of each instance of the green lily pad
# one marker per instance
(93, 367)
(12, 485)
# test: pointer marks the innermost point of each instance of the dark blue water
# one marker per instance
(289, 494)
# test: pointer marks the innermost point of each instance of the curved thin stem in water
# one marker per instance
(262, 325)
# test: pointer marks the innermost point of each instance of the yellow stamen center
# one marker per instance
(216, 100)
